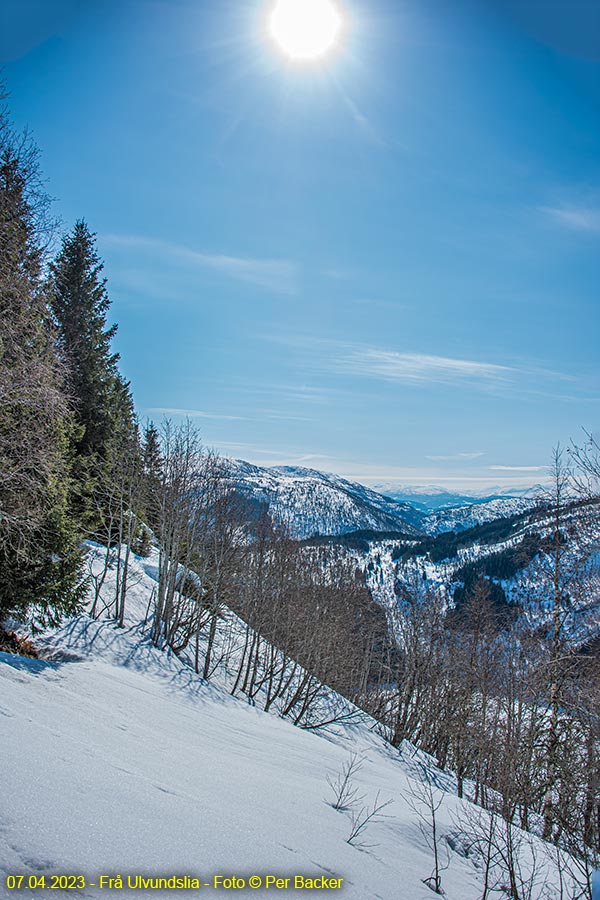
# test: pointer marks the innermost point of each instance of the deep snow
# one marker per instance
(117, 758)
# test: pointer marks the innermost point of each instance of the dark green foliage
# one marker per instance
(100, 397)
(501, 566)
(142, 542)
(44, 581)
(503, 611)
(357, 540)
(40, 561)
(79, 303)
(446, 545)
(505, 564)
(152, 467)
(42, 572)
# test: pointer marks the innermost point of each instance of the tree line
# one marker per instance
(65, 410)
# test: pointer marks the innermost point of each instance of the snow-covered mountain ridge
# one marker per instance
(432, 497)
(497, 538)
(307, 502)
(470, 515)
(515, 553)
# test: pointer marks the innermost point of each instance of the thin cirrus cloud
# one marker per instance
(518, 468)
(577, 218)
(278, 276)
(363, 123)
(270, 414)
(195, 414)
(457, 457)
(418, 367)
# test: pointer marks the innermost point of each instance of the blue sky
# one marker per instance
(385, 265)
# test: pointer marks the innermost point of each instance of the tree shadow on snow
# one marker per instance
(35, 666)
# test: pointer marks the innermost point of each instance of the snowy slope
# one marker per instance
(134, 765)
(307, 502)
(460, 518)
(530, 585)
(117, 758)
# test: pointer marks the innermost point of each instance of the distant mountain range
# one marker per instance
(430, 496)
(307, 503)
(400, 542)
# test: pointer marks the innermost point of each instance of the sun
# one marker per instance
(305, 29)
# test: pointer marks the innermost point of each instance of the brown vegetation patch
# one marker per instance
(10, 642)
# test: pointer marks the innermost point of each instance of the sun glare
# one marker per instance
(305, 29)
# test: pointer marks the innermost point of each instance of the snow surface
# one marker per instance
(460, 518)
(433, 496)
(307, 502)
(117, 758)
(531, 587)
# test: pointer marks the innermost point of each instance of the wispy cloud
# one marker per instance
(313, 457)
(457, 457)
(252, 452)
(518, 468)
(282, 416)
(418, 367)
(577, 218)
(258, 415)
(421, 369)
(363, 123)
(278, 276)
(195, 414)
(360, 359)
(284, 392)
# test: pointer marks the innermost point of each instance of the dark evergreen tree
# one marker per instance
(153, 474)
(142, 542)
(101, 398)
(40, 559)
(80, 302)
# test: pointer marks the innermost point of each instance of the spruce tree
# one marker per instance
(101, 397)
(40, 558)
(153, 473)
(80, 303)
